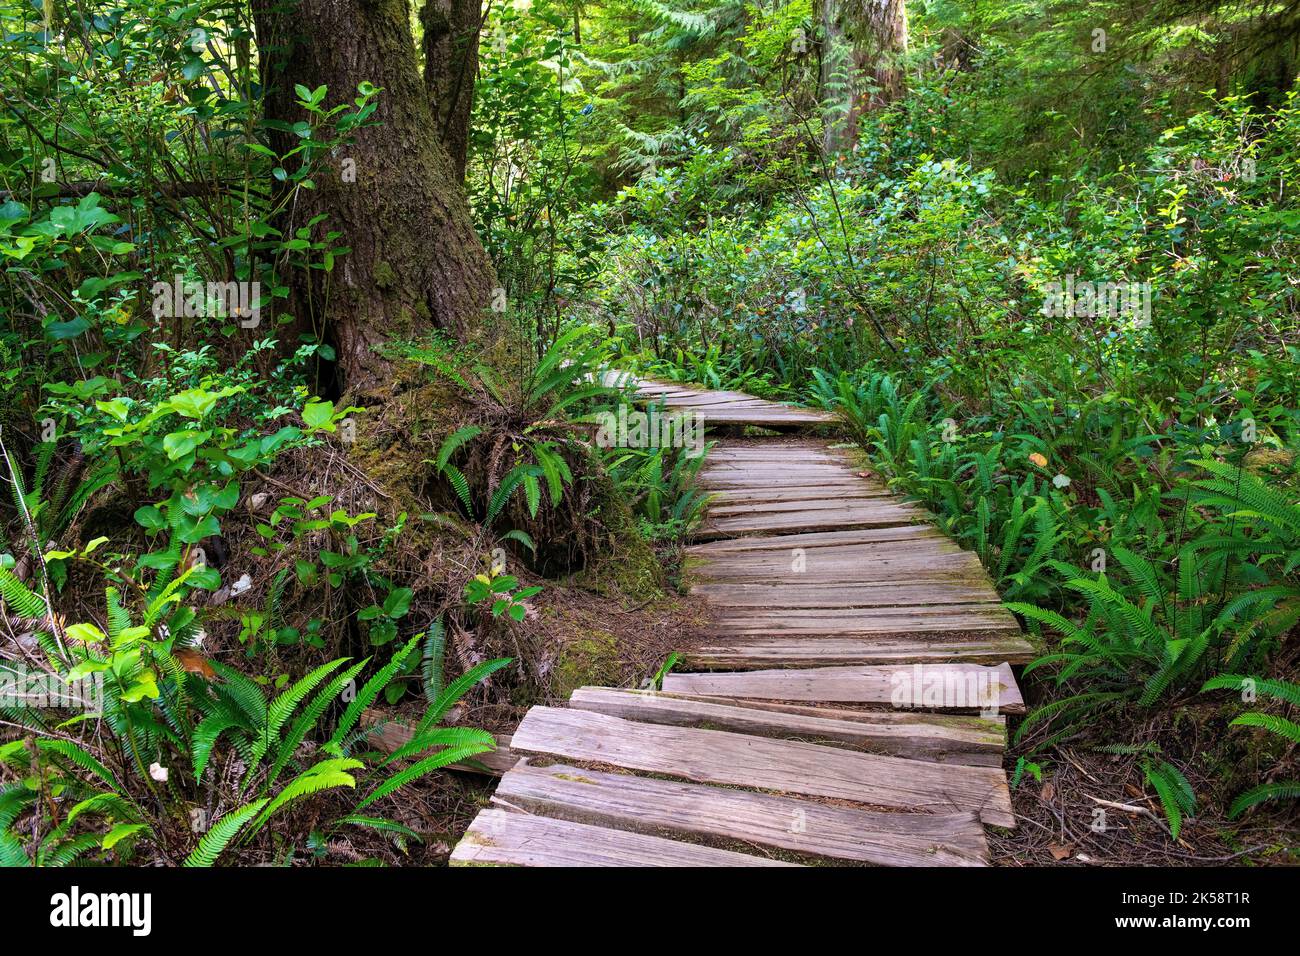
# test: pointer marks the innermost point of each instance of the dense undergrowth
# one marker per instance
(1051, 294)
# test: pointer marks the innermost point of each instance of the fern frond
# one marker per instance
(67, 852)
(221, 833)
(1277, 689)
(1281, 790)
(325, 775)
(454, 441)
(205, 738)
(243, 693)
(310, 714)
(442, 737)
(369, 692)
(74, 753)
(431, 663)
(378, 823)
(1270, 722)
(461, 486)
(458, 688)
(1173, 790)
(415, 771)
(1143, 574)
(21, 600)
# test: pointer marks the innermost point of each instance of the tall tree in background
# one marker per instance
(415, 261)
(451, 38)
(862, 63)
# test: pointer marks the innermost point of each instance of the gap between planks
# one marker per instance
(760, 763)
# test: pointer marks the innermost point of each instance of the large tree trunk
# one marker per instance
(415, 262)
(451, 36)
(862, 63)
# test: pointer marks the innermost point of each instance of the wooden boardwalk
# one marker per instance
(846, 706)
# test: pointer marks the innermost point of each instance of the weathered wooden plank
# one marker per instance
(740, 411)
(833, 482)
(685, 392)
(780, 451)
(847, 517)
(790, 592)
(826, 503)
(786, 543)
(777, 475)
(666, 807)
(779, 464)
(994, 723)
(865, 554)
(773, 414)
(707, 400)
(934, 737)
(758, 653)
(788, 447)
(772, 494)
(879, 508)
(498, 838)
(919, 549)
(927, 686)
(780, 766)
(395, 733)
(915, 567)
(776, 451)
(871, 623)
(740, 484)
(792, 492)
(779, 622)
(764, 420)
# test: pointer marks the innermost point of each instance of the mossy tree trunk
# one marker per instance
(451, 38)
(415, 261)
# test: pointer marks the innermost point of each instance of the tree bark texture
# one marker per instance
(415, 261)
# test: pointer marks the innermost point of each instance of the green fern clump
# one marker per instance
(161, 716)
(1011, 523)
(1284, 692)
(660, 485)
(533, 424)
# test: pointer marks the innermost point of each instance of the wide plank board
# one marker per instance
(782, 474)
(921, 736)
(848, 516)
(758, 763)
(757, 653)
(785, 543)
(704, 401)
(769, 453)
(770, 496)
(771, 415)
(935, 567)
(953, 618)
(927, 686)
(994, 723)
(864, 554)
(721, 509)
(792, 592)
(498, 838)
(696, 811)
